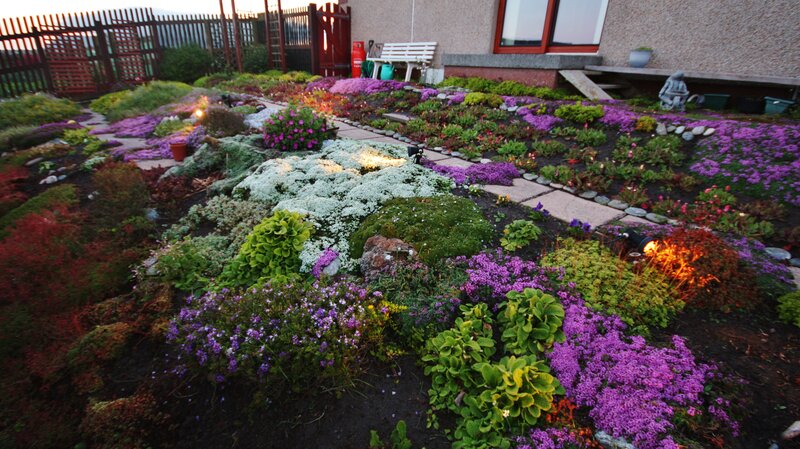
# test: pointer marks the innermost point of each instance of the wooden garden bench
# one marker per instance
(412, 54)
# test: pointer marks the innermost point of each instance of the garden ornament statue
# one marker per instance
(674, 93)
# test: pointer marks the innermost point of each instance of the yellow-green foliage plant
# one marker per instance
(642, 298)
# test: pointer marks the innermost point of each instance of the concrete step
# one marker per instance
(610, 86)
(592, 73)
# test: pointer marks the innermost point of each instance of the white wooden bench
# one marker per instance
(413, 54)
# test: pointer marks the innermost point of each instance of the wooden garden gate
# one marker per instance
(330, 40)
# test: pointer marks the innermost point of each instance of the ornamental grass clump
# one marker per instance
(303, 336)
(295, 129)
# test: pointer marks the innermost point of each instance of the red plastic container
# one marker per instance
(358, 55)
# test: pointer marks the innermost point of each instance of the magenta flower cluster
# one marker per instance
(140, 126)
(355, 86)
(428, 93)
(619, 117)
(323, 261)
(631, 388)
(544, 122)
(457, 98)
(765, 157)
(322, 83)
(498, 173)
(295, 129)
(491, 275)
(550, 438)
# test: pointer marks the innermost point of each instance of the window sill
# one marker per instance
(549, 61)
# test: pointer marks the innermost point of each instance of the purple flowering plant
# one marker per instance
(294, 129)
(499, 173)
(140, 126)
(354, 86)
(323, 261)
(297, 332)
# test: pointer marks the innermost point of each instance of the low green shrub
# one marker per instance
(398, 439)
(475, 84)
(36, 109)
(185, 64)
(427, 105)
(646, 124)
(789, 308)
(518, 234)
(560, 173)
(438, 227)
(143, 99)
(255, 59)
(81, 137)
(513, 148)
(209, 81)
(190, 264)
(490, 100)
(294, 129)
(232, 218)
(548, 148)
(122, 193)
(62, 195)
(223, 122)
(578, 113)
(512, 88)
(271, 251)
(641, 298)
(590, 137)
(9, 136)
(171, 126)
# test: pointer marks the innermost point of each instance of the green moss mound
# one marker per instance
(438, 227)
(63, 195)
(143, 99)
(36, 110)
(641, 299)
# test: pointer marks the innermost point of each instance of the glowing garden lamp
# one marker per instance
(638, 242)
(198, 113)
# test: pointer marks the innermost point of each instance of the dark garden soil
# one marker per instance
(758, 348)
(377, 400)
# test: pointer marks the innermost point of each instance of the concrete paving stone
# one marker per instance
(630, 219)
(432, 155)
(385, 139)
(796, 273)
(455, 162)
(359, 134)
(520, 191)
(156, 163)
(565, 207)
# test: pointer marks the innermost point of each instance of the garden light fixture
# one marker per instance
(640, 243)
(415, 153)
(198, 113)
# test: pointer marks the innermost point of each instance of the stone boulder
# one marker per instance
(382, 254)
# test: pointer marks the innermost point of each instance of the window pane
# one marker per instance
(523, 23)
(579, 22)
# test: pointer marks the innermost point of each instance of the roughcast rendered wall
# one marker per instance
(746, 37)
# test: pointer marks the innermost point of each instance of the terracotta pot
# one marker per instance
(178, 151)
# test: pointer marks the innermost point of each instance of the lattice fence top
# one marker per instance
(69, 64)
(127, 48)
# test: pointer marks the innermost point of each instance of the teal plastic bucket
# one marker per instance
(715, 101)
(387, 71)
(774, 106)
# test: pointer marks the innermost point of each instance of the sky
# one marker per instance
(17, 8)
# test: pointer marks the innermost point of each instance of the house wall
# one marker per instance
(746, 37)
(459, 26)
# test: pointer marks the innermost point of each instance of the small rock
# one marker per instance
(60, 169)
(49, 180)
(778, 253)
(455, 154)
(602, 199)
(503, 107)
(62, 177)
(439, 149)
(670, 128)
(609, 442)
(636, 211)
(34, 161)
(687, 136)
(792, 431)
(485, 161)
(617, 204)
(513, 109)
(93, 195)
(556, 185)
(442, 96)
(656, 218)
(397, 135)
(680, 129)
(408, 88)
(673, 222)
(150, 265)
(521, 171)
(569, 189)
(709, 132)
(543, 181)
(381, 253)
(529, 176)
(698, 130)
(661, 129)
(151, 214)
(795, 262)
(588, 195)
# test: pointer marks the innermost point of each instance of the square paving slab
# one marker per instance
(565, 206)
(520, 191)
(359, 134)
(454, 162)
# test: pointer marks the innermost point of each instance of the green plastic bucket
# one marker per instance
(387, 71)
(776, 106)
(715, 101)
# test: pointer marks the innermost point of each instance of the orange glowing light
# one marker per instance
(677, 262)
(198, 113)
(650, 248)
